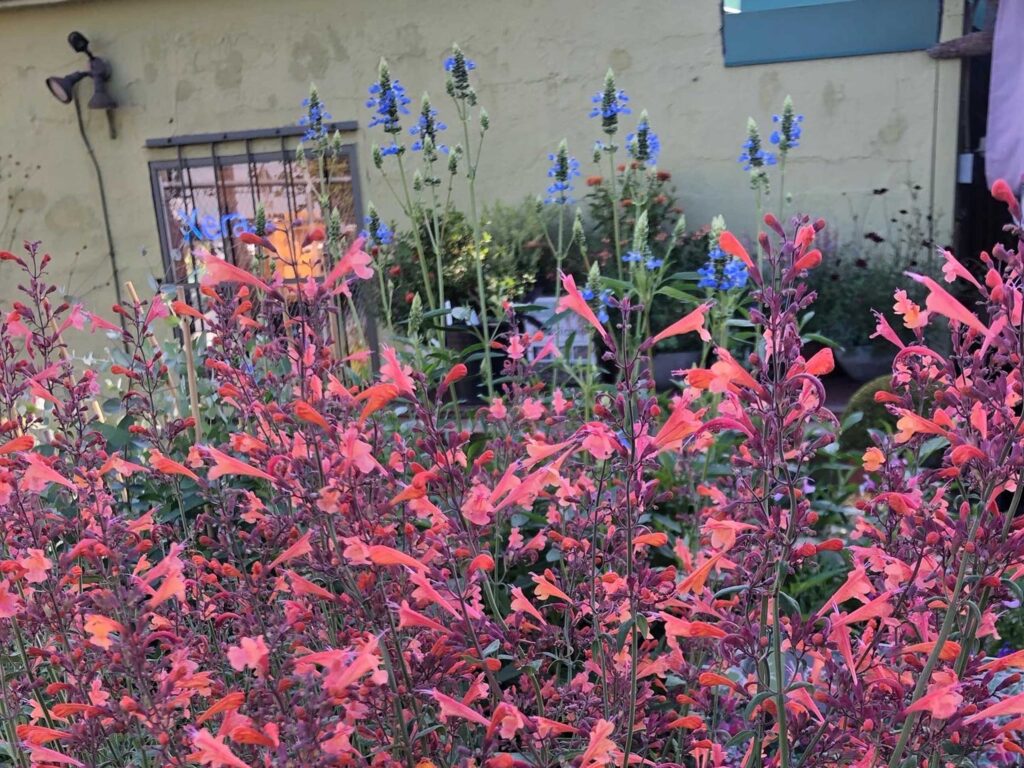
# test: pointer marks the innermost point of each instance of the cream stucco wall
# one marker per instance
(194, 66)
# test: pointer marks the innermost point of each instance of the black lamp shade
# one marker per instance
(63, 88)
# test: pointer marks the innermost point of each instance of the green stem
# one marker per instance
(782, 185)
(385, 300)
(420, 251)
(779, 673)
(559, 256)
(933, 658)
(630, 585)
(438, 235)
(477, 244)
(614, 183)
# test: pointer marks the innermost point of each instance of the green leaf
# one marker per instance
(854, 418)
(118, 436)
(620, 638)
(622, 286)
(928, 447)
(755, 702)
(793, 604)
(821, 340)
(675, 293)
(740, 737)
(430, 314)
(490, 649)
(805, 685)
(813, 581)
(688, 277)
(731, 590)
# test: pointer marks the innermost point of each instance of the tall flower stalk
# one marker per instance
(321, 147)
(463, 95)
(564, 168)
(756, 160)
(785, 136)
(609, 103)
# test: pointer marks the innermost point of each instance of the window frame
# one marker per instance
(829, 29)
(213, 160)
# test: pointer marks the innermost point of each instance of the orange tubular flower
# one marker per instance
(942, 303)
(693, 322)
(573, 300)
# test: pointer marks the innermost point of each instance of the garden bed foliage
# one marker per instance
(324, 566)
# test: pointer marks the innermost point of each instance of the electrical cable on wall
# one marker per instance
(103, 206)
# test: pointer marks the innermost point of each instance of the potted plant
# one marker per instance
(674, 254)
(861, 275)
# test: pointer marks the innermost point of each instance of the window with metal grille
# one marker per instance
(207, 193)
(207, 189)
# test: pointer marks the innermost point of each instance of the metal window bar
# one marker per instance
(291, 202)
(187, 192)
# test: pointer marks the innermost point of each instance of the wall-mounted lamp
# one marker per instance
(63, 88)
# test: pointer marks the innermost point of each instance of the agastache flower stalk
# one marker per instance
(786, 137)
(464, 96)
(363, 574)
(755, 160)
(609, 103)
(968, 418)
(389, 102)
(644, 145)
(778, 422)
(378, 234)
(564, 168)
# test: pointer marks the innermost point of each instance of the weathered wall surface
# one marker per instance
(193, 66)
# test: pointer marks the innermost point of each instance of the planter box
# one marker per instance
(864, 363)
(569, 326)
(667, 362)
